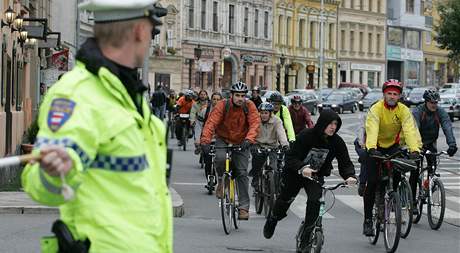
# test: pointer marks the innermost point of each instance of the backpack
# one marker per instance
(227, 107)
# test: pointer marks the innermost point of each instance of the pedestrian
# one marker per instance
(99, 139)
(255, 96)
(158, 102)
(199, 112)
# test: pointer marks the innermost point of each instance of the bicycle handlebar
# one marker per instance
(428, 152)
(329, 188)
(268, 150)
(229, 146)
(386, 157)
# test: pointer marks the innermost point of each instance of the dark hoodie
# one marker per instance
(90, 54)
(315, 138)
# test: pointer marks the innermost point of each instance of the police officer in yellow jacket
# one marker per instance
(98, 136)
(386, 121)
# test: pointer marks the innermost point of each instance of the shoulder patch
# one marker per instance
(60, 111)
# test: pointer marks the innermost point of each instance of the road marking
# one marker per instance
(353, 201)
(457, 187)
(454, 199)
(299, 205)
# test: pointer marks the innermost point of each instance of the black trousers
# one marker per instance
(373, 179)
(291, 184)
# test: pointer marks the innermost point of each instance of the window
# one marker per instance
(245, 25)
(342, 39)
(370, 43)
(231, 18)
(361, 41)
(266, 25)
(360, 77)
(361, 5)
(215, 20)
(428, 37)
(395, 36)
(280, 27)
(301, 29)
(378, 47)
(203, 14)
(352, 41)
(352, 4)
(412, 39)
(169, 38)
(371, 7)
(191, 13)
(312, 35)
(288, 30)
(379, 6)
(331, 36)
(256, 23)
(409, 6)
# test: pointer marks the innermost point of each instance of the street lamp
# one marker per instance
(18, 21)
(10, 15)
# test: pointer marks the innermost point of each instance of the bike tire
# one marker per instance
(301, 238)
(405, 195)
(435, 223)
(184, 138)
(259, 196)
(376, 224)
(269, 193)
(392, 204)
(316, 242)
(235, 209)
(419, 198)
(225, 205)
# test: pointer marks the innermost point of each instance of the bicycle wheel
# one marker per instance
(269, 193)
(302, 238)
(172, 129)
(420, 198)
(184, 137)
(436, 204)
(235, 209)
(226, 208)
(405, 195)
(392, 224)
(259, 195)
(317, 242)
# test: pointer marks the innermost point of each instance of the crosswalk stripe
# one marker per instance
(454, 199)
(356, 203)
(299, 205)
(457, 187)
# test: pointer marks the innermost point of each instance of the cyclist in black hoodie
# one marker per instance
(323, 136)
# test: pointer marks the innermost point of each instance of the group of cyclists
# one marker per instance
(252, 124)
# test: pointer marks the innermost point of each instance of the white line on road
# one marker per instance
(299, 205)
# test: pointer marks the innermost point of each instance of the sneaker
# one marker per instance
(415, 211)
(361, 189)
(243, 214)
(368, 229)
(269, 227)
(219, 191)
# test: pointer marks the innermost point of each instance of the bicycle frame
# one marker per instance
(431, 171)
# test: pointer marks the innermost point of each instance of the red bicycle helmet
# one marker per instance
(392, 83)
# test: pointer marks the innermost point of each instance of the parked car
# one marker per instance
(451, 86)
(369, 100)
(309, 100)
(415, 96)
(339, 102)
(323, 93)
(266, 95)
(451, 104)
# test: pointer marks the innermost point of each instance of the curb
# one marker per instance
(20, 203)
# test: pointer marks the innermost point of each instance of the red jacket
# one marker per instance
(301, 119)
(233, 126)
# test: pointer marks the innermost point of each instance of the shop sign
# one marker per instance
(393, 53)
(204, 65)
(366, 67)
(344, 65)
(254, 58)
(411, 54)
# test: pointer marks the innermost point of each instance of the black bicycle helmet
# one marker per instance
(431, 96)
(276, 97)
(265, 106)
(239, 87)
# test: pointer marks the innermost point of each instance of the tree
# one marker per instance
(448, 29)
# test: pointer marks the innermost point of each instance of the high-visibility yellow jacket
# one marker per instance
(384, 127)
(122, 202)
(285, 117)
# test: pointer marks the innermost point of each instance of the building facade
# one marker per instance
(226, 41)
(296, 43)
(405, 25)
(438, 69)
(361, 39)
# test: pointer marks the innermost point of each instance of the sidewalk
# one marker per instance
(20, 203)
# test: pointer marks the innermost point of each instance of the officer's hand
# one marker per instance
(285, 148)
(245, 145)
(374, 152)
(452, 150)
(307, 171)
(55, 160)
(206, 148)
(351, 181)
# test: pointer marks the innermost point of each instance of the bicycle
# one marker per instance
(389, 212)
(430, 191)
(314, 241)
(171, 124)
(211, 179)
(184, 119)
(266, 191)
(229, 201)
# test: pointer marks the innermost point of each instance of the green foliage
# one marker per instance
(449, 27)
(32, 131)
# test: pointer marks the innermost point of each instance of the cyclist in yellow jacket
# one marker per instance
(386, 121)
(282, 112)
(98, 137)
